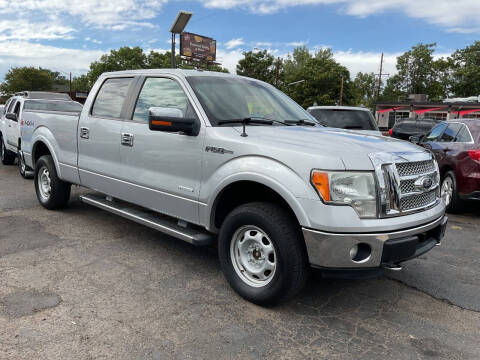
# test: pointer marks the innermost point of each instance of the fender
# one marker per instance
(44, 135)
(258, 169)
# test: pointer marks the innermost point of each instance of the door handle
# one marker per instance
(126, 139)
(84, 133)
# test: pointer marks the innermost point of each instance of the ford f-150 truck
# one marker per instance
(218, 158)
(23, 108)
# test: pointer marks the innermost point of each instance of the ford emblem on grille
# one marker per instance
(424, 183)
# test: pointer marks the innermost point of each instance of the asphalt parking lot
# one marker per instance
(84, 284)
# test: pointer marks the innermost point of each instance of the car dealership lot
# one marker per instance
(82, 283)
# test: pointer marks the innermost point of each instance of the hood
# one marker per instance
(351, 146)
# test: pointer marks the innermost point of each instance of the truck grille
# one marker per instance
(418, 201)
(415, 168)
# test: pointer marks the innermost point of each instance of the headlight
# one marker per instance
(356, 189)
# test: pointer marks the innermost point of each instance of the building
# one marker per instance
(418, 106)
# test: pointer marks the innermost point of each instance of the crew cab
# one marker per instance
(23, 108)
(217, 158)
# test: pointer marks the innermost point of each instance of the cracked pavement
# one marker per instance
(84, 284)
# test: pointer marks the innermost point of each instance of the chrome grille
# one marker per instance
(407, 186)
(418, 201)
(415, 168)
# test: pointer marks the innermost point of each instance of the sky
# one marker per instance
(66, 36)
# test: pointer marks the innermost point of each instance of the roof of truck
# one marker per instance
(338, 108)
(43, 95)
(180, 72)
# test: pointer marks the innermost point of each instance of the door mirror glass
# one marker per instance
(414, 139)
(11, 116)
(171, 120)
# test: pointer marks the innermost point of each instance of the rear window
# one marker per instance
(451, 132)
(63, 106)
(345, 119)
(110, 98)
(463, 135)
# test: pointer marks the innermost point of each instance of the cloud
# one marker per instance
(23, 30)
(455, 16)
(234, 43)
(23, 53)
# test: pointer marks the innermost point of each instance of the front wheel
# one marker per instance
(7, 157)
(262, 253)
(449, 193)
(52, 192)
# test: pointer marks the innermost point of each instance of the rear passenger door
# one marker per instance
(98, 135)
(162, 170)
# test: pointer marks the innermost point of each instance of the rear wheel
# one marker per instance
(7, 157)
(449, 193)
(52, 192)
(262, 253)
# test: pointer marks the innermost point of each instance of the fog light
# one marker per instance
(360, 252)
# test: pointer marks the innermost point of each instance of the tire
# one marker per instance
(283, 246)
(52, 193)
(449, 193)
(8, 157)
(25, 171)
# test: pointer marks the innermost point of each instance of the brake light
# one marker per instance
(390, 132)
(474, 154)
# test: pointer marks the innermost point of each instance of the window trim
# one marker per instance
(469, 132)
(125, 102)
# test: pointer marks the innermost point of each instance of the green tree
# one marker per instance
(27, 78)
(466, 70)
(320, 77)
(365, 86)
(258, 65)
(80, 83)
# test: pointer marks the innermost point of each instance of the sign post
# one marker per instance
(178, 25)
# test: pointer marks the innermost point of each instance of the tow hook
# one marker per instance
(392, 267)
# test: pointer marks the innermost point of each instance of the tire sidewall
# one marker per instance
(259, 295)
(455, 203)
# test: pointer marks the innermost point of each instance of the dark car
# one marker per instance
(456, 145)
(344, 117)
(404, 128)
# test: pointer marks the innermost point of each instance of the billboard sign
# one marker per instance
(198, 47)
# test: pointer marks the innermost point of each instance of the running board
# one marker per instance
(168, 225)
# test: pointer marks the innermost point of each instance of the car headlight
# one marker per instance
(356, 189)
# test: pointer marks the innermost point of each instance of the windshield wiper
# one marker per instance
(246, 121)
(300, 122)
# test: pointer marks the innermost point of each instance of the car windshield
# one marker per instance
(49, 105)
(345, 119)
(232, 98)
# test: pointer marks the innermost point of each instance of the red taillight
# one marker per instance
(390, 132)
(474, 154)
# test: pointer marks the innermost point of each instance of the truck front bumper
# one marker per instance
(372, 250)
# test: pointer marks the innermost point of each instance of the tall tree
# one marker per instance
(466, 70)
(26, 78)
(365, 87)
(259, 65)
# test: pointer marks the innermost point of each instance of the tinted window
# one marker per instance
(10, 107)
(464, 135)
(450, 133)
(159, 92)
(110, 98)
(17, 108)
(435, 133)
(345, 119)
(63, 106)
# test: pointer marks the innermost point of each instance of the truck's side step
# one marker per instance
(168, 225)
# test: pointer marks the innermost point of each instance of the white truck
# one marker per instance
(20, 109)
(218, 158)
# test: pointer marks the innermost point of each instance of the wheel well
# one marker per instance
(444, 169)
(243, 192)
(39, 150)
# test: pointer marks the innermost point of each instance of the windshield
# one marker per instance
(228, 98)
(345, 119)
(49, 105)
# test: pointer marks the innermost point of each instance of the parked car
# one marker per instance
(20, 109)
(405, 128)
(456, 145)
(344, 117)
(211, 157)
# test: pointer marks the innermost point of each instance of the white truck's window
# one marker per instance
(49, 105)
(110, 98)
(10, 107)
(159, 92)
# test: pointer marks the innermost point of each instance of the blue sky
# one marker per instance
(65, 37)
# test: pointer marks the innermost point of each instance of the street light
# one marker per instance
(177, 28)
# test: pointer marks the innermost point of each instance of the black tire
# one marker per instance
(25, 171)
(8, 157)
(291, 258)
(59, 193)
(455, 205)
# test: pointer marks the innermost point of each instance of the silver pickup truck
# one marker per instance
(218, 158)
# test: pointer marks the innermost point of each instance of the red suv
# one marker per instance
(456, 145)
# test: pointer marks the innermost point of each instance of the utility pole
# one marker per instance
(380, 76)
(70, 85)
(341, 92)
(277, 72)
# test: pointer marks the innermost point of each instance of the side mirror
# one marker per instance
(11, 116)
(414, 139)
(171, 120)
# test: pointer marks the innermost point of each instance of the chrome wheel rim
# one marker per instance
(22, 164)
(447, 190)
(44, 183)
(253, 256)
